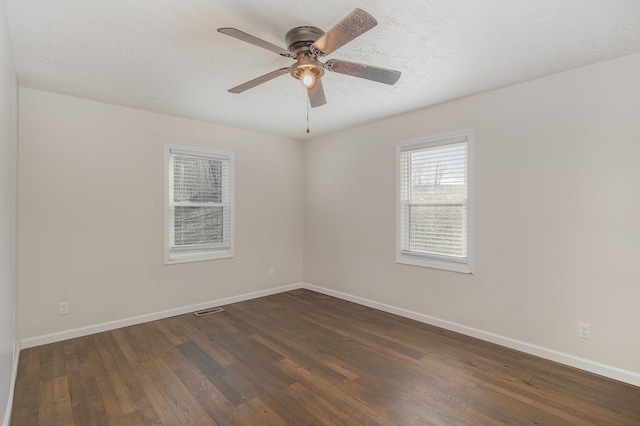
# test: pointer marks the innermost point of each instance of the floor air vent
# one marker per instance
(208, 312)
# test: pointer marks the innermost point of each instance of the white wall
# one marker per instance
(557, 214)
(91, 214)
(8, 208)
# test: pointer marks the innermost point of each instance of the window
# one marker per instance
(434, 215)
(199, 204)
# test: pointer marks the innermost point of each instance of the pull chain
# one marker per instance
(307, 115)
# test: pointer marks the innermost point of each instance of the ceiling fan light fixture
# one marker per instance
(308, 79)
(307, 69)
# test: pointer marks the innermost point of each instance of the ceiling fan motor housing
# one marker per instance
(301, 38)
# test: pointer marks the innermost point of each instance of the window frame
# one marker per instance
(173, 255)
(432, 260)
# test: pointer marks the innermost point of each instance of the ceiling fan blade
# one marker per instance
(381, 75)
(356, 23)
(256, 81)
(316, 94)
(241, 35)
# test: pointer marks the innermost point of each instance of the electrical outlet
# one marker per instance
(584, 330)
(272, 273)
(63, 308)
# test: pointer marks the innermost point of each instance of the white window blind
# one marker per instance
(433, 203)
(199, 208)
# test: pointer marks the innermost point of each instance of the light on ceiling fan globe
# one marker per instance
(307, 80)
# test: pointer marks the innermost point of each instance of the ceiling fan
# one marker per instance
(306, 44)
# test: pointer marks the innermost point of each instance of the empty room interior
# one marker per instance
(409, 212)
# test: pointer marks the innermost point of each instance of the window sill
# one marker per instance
(433, 263)
(187, 257)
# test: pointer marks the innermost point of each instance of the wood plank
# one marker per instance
(125, 348)
(265, 415)
(361, 411)
(234, 392)
(126, 403)
(79, 406)
(160, 405)
(27, 387)
(132, 376)
(191, 326)
(183, 404)
(246, 354)
(111, 404)
(46, 363)
(46, 408)
(284, 406)
(63, 410)
(319, 407)
(91, 393)
(59, 368)
(209, 397)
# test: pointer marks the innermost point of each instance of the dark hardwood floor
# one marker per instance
(304, 358)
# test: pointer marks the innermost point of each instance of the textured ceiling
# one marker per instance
(166, 56)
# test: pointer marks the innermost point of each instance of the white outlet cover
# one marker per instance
(584, 330)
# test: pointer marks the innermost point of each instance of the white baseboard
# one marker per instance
(560, 357)
(12, 384)
(550, 354)
(112, 325)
